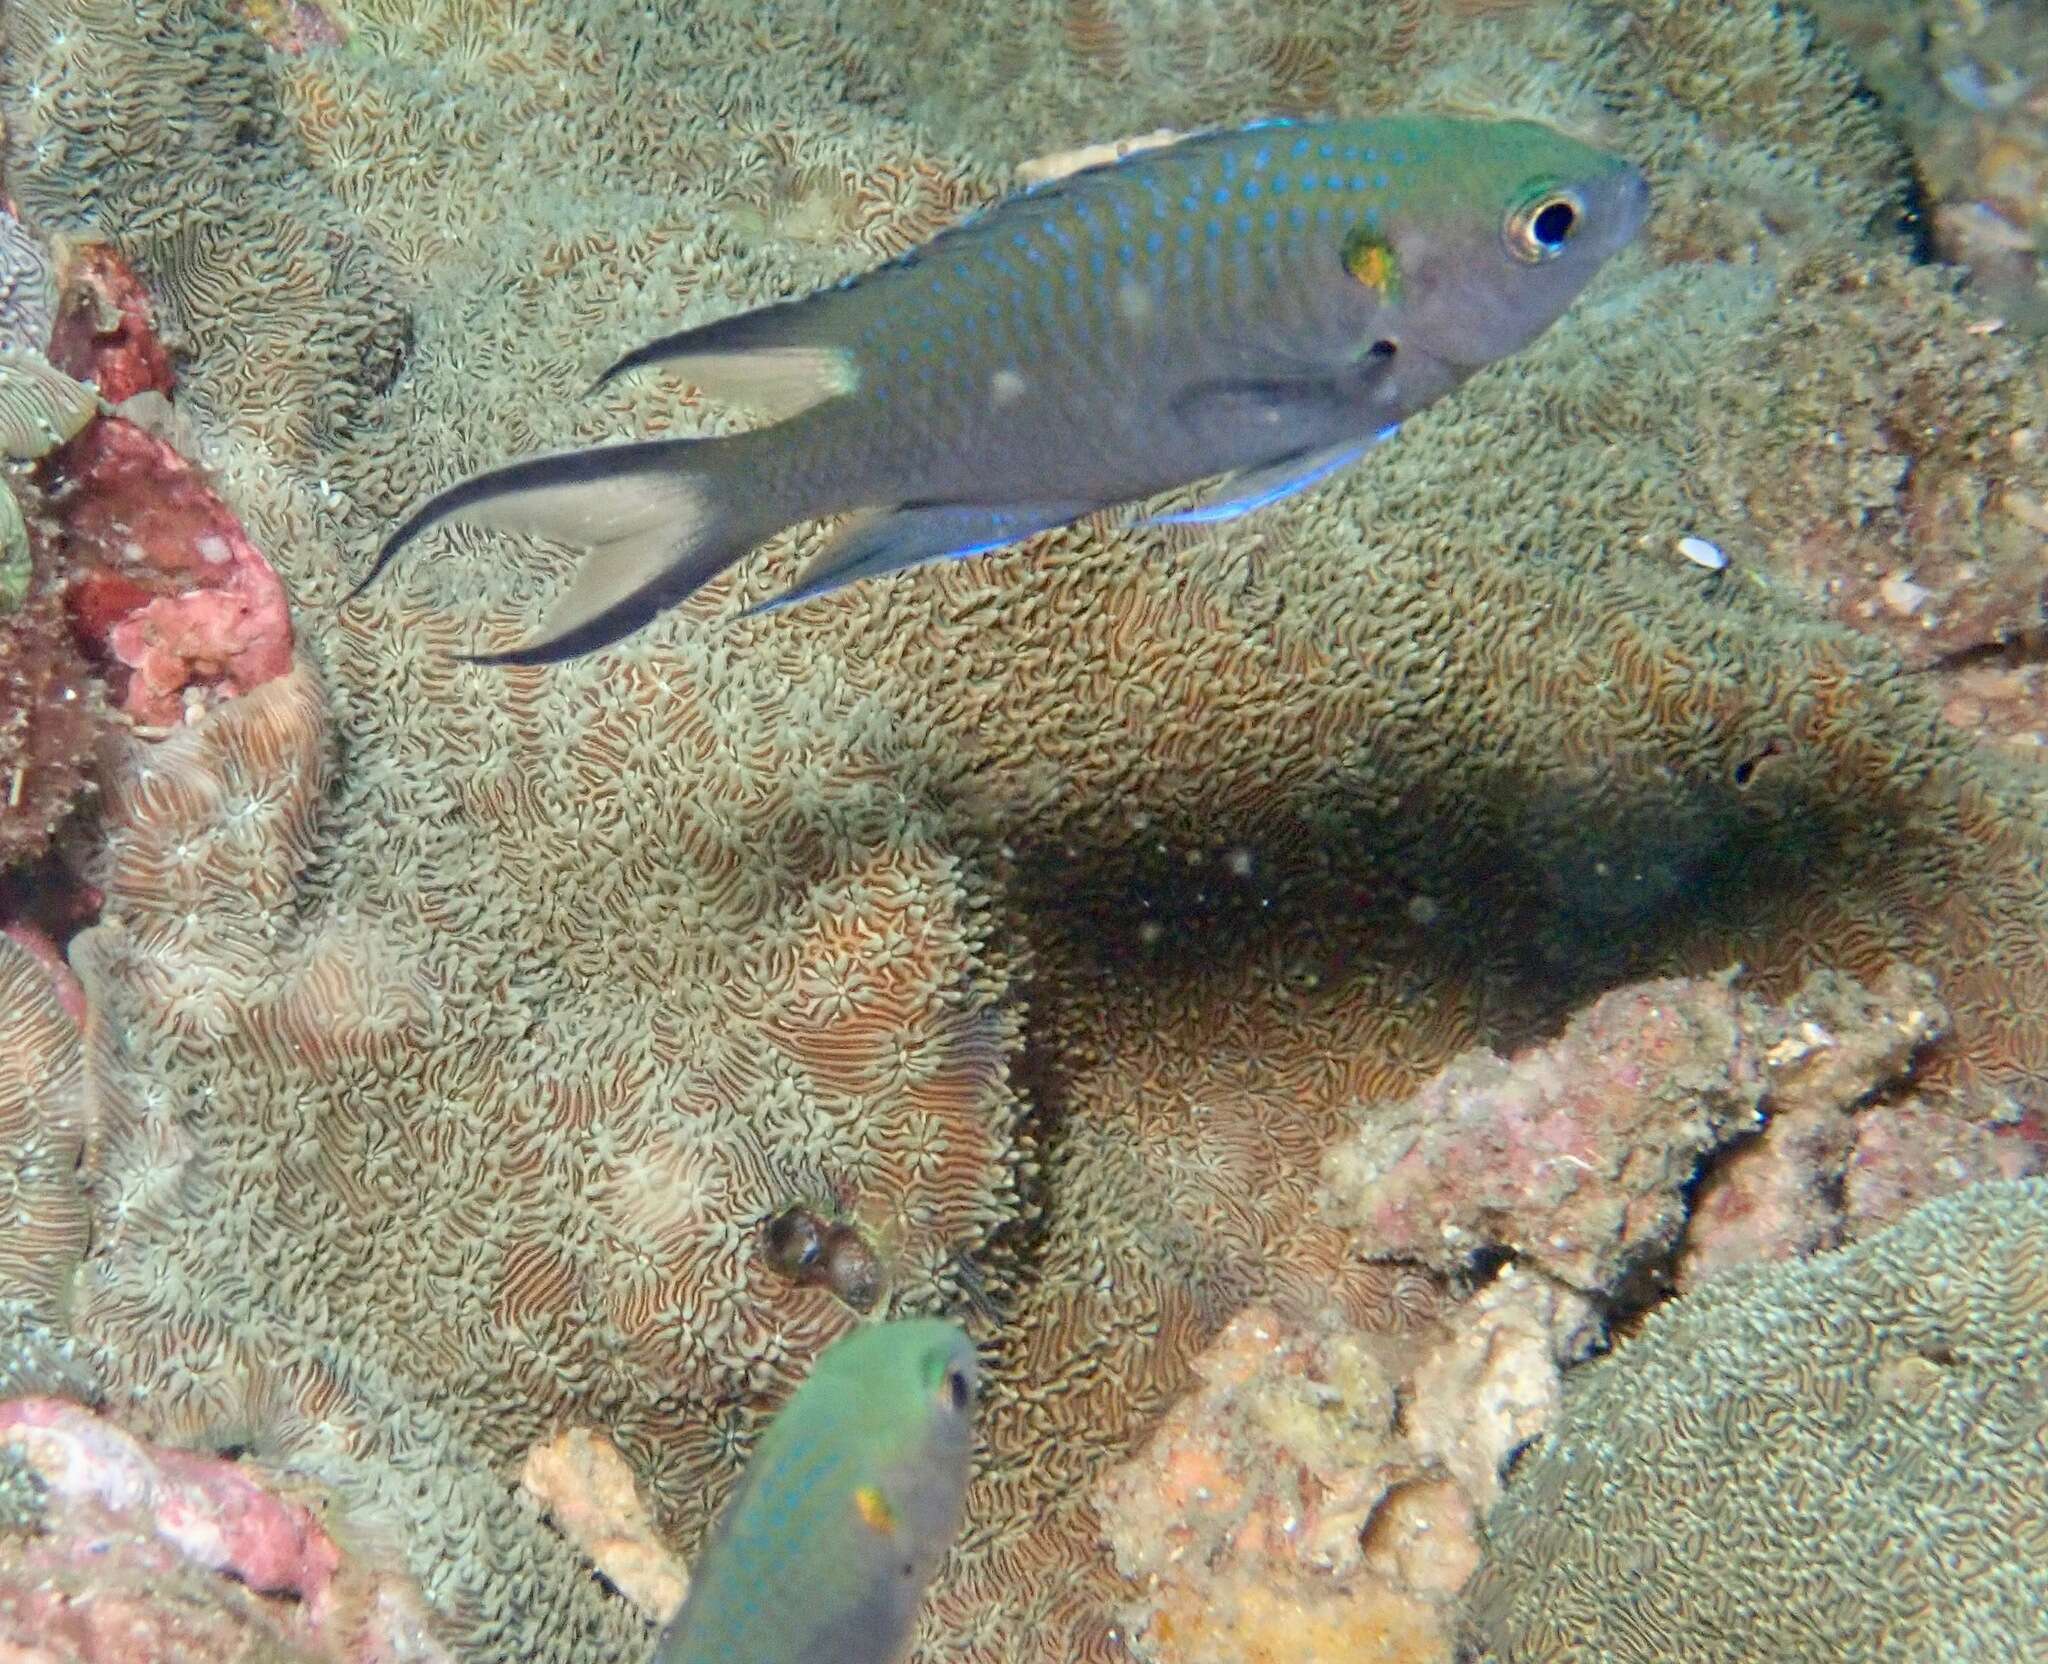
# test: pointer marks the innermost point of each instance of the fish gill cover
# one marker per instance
(450, 1030)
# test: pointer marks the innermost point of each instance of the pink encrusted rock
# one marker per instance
(106, 329)
(1281, 1454)
(1826, 1052)
(143, 1556)
(167, 588)
(1910, 1153)
(294, 27)
(1573, 1154)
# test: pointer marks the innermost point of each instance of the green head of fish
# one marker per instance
(1494, 229)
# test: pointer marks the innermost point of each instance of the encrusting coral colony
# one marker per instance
(1077, 935)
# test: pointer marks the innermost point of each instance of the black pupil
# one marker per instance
(956, 1387)
(1553, 223)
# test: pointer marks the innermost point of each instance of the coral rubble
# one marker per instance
(587, 1489)
(1967, 82)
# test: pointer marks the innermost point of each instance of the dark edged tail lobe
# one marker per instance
(657, 519)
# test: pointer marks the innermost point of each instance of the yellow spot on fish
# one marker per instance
(1369, 257)
(875, 1512)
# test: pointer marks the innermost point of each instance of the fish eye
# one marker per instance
(1539, 228)
(950, 1380)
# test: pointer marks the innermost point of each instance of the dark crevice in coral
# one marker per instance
(2026, 646)
(1745, 771)
(1638, 1291)
(47, 894)
(1561, 896)
(1485, 1264)
(1916, 221)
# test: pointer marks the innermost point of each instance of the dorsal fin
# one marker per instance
(771, 360)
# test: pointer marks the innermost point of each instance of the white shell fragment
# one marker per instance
(1702, 553)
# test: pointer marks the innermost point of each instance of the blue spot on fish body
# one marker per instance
(1154, 242)
(1251, 189)
(1222, 195)
(1301, 149)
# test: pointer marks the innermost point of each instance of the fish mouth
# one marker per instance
(1632, 204)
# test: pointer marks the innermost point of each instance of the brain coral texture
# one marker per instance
(454, 1029)
(1830, 1462)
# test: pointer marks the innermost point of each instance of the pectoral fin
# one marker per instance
(888, 540)
(1255, 488)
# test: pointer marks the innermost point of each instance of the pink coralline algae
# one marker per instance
(292, 27)
(1244, 1522)
(166, 589)
(144, 1556)
(1576, 1156)
(168, 586)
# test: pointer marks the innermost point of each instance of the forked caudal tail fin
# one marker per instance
(657, 518)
